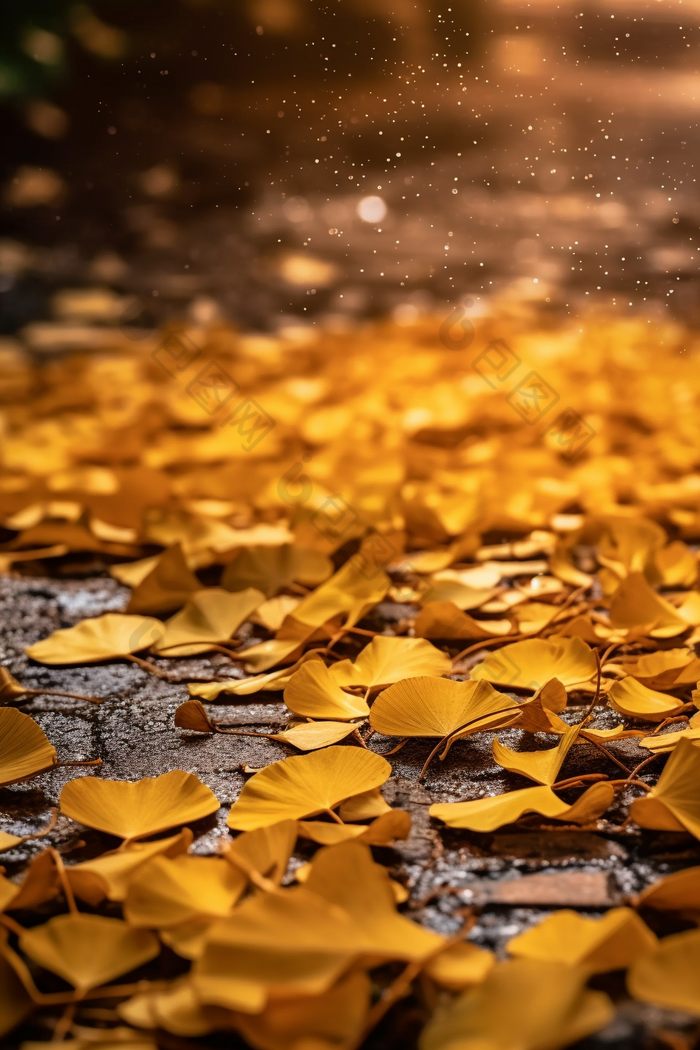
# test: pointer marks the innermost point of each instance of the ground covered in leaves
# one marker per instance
(350, 689)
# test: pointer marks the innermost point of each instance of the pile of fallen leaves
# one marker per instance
(269, 499)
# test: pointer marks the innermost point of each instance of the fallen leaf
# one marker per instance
(309, 736)
(24, 747)
(88, 951)
(319, 1022)
(306, 785)
(313, 691)
(169, 891)
(134, 810)
(665, 742)
(442, 619)
(108, 876)
(460, 966)
(98, 638)
(271, 569)
(167, 586)
(533, 662)
(670, 976)
(265, 851)
(548, 1006)
(673, 804)
(630, 697)
(636, 604)
(494, 811)
(436, 707)
(209, 617)
(612, 942)
(15, 1003)
(386, 660)
(541, 766)
(678, 892)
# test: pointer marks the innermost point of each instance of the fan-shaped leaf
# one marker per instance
(435, 707)
(532, 663)
(136, 809)
(305, 785)
(386, 660)
(313, 692)
(492, 812)
(98, 638)
(612, 942)
(24, 748)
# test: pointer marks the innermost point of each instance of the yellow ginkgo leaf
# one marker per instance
(98, 638)
(313, 692)
(630, 697)
(15, 1003)
(494, 811)
(533, 662)
(526, 1004)
(167, 585)
(265, 851)
(319, 1022)
(310, 736)
(436, 707)
(88, 951)
(541, 766)
(447, 587)
(636, 604)
(670, 976)
(386, 660)
(442, 619)
(664, 669)
(396, 824)
(293, 942)
(306, 785)
(108, 876)
(460, 966)
(596, 945)
(674, 803)
(169, 891)
(679, 892)
(676, 565)
(271, 614)
(273, 680)
(286, 647)
(351, 592)
(136, 809)
(270, 569)
(174, 1008)
(210, 616)
(24, 748)
(665, 742)
(346, 875)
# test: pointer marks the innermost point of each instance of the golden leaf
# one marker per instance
(136, 809)
(312, 691)
(108, 876)
(523, 1003)
(306, 785)
(636, 604)
(630, 697)
(98, 638)
(669, 976)
(318, 1022)
(15, 1003)
(386, 660)
(309, 736)
(271, 569)
(169, 891)
(265, 851)
(532, 663)
(442, 619)
(674, 803)
(167, 586)
(679, 892)
(24, 748)
(345, 875)
(460, 966)
(209, 617)
(668, 741)
(88, 951)
(612, 942)
(492, 812)
(290, 943)
(435, 707)
(541, 766)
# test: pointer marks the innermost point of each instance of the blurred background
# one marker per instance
(286, 162)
